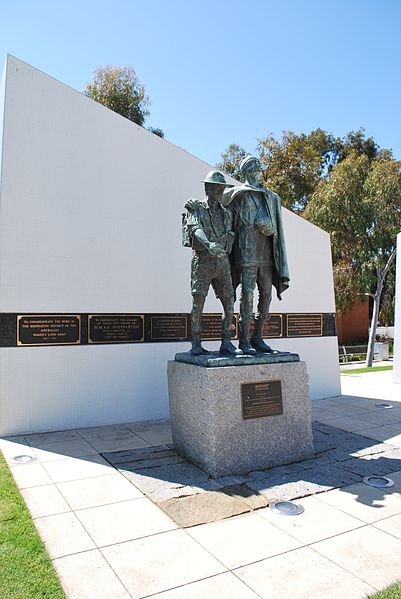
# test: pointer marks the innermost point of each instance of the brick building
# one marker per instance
(353, 326)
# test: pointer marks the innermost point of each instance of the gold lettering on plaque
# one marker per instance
(168, 327)
(260, 399)
(304, 325)
(51, 329)
(115, 328)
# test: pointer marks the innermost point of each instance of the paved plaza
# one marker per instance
(122, 515)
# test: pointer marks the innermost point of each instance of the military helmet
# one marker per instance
(217, 178)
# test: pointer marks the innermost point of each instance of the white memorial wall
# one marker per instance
(90, 221)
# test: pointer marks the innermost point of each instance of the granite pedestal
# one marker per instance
(208, 424)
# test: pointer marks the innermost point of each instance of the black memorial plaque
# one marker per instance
(115, 328)
(262, 398)
(168, 328)
(304, 325)
(48, 329)
(81, 329)
(273, 327)
(212, 327)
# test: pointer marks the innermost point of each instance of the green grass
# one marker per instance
(26, 571)
(391, 592)
(371, 369)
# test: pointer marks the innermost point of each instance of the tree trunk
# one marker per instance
(373, 327)
(381, 275)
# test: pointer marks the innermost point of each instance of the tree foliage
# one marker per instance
(387, 307)
(294, 164)
(230, 161)
(157, 131)
(355, 142)
(339, 207)
(359, 204)
(119, 89)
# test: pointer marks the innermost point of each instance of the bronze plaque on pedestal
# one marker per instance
(212, 327)
(163, 328)
(304, 325)
(262, 398)
(115, 328)
(48, 329)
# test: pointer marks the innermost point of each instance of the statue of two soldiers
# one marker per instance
(236, 234)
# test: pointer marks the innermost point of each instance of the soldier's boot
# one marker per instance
(257, 340)
(244, 342)
(197, 349)
(227, 348)
(196, 326)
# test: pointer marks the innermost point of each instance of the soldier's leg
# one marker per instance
(223, 287)
(228, 348)
(248, 284)
(200, 280)
(264, 282)
(198, 301)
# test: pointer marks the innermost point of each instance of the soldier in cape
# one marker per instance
(208, 229)
(259, 255)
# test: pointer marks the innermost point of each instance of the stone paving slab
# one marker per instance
(303, 574)
(366, 503)
(191, 497)
(259, 539)
(201, 508)
(223, 586)
(360, 552)
(87, 575)
(160, 562)
(137, 455)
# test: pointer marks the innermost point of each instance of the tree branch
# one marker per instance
(389, 262)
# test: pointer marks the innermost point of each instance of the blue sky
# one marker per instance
(223, 71)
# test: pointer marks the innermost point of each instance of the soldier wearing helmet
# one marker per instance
(209, 231)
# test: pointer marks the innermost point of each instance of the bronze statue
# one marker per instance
(208, 229)
(259, 254)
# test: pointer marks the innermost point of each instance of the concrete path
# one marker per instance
(108, 541)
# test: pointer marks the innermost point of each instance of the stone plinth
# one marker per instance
(207, 421)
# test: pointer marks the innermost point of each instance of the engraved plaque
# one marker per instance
(304, 325)
(115, 328)
(262, 398)
(164, 328)
(212, 327)
(48, 329)
(273, 327)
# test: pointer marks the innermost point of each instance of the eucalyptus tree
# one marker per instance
(119, 89)
(359, 204)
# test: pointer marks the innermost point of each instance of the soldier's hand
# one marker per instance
(265, 227)
(216, 249)
(193, 204)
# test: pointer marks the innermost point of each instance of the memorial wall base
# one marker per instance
(235, 419)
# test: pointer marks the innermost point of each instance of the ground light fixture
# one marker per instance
(384, 406)
(286, 508)
(23, 459)
(380, 482)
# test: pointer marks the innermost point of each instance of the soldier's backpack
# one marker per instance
(186, 234)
